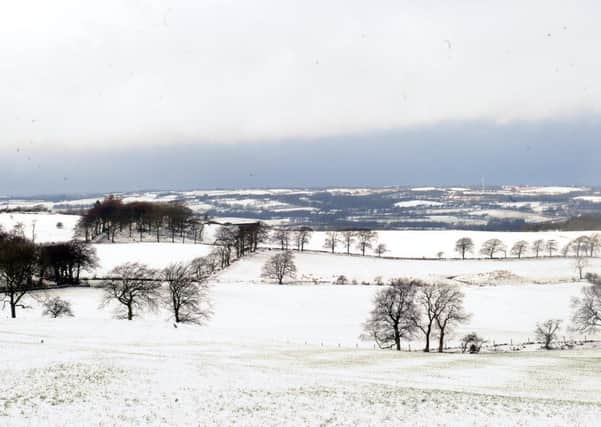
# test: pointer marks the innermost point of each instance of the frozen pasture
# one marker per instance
(428, 243)
(155, 255)
(326, 268)
(95, 370)
(42, 227)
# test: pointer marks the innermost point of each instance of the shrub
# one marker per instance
(471, 343)
(57, 307)
(341, 280)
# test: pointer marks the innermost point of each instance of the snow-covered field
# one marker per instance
(428, 243)
(291, 355)
(95, 370)
(155, 255)
(42, 227)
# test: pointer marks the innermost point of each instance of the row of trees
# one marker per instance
(363, 240)
(581, 246)
(25, 265)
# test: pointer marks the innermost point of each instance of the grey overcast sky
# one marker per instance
(116, 95)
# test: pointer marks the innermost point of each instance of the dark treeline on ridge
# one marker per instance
(111, 216)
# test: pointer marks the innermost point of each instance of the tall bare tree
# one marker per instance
(448, 310)
(580, 245)
(537, 247)
(348, 238)
(587, 308)
(391, 318)
(463, 246)
(226, 239)
(134, 286)
(492, 247)
(594, 242)
(333, 239)
(281, 236)
(365, 240)
(551, 246)
(519, 248)
(427, 310)
(188, 293)
(279, 266)
(302, 236)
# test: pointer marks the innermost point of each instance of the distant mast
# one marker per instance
(482, 182)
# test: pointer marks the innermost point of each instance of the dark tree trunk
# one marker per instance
(13, 307)
(441, 342)
(428, 331)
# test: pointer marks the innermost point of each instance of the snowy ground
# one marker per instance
(43, 227)
(95, 370)
(325, 268)
(156, 255)
(276, 355)
(428, 243)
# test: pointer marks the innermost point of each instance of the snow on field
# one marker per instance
(46, 229)
(427, 243)
(155, 255)
(591, 199)
(233, 371)
(509, 214)
(333, 315)
(417, 203)
(547, 190)
(325, 268)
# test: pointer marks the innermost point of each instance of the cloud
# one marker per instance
(113, 73)
(459, 153)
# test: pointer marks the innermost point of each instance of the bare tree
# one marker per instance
(302, 236)
(380, 249)
(519, 248)
(580, 245)
(348, 238)
(226, 239)
(551, 246)
(463, 246)
(134, 286)
(279, 267)
(281, 236)
(56, 307)
(18, 259)
(188, 293)
(449, 311)
(580, 264)
(365, 240)
(391, 318)
(491, 247)
(547, 332)
(587, 308)
(537, 247)
(333, 238)
(427, 310)
(594, 242)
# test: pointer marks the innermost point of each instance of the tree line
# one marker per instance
(582, 246)
(363, 240)
(139, 218)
